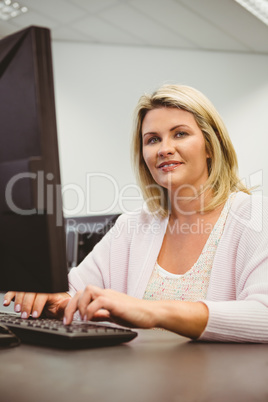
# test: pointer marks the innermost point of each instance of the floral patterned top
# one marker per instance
(192, 285)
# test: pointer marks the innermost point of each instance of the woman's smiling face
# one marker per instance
(174, 149)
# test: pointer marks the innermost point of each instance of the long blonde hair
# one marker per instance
(222, 164)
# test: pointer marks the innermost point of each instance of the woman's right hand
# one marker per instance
(26, 303)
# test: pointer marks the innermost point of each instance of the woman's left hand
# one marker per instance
(108, 305)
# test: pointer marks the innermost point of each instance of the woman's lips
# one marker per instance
(169, 166)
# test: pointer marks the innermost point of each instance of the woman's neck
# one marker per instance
(188, 207)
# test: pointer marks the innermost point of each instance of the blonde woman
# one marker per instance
(195, 260)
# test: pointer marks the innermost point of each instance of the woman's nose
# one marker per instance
(166, 148)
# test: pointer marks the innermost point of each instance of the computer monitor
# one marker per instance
(32, 234)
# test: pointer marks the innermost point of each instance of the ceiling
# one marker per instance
(212, 25)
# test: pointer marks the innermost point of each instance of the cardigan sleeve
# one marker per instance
(122, 260)
(244, 317)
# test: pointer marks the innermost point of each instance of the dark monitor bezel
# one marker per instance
(48, 161)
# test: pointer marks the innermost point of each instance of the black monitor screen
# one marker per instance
(32, 236)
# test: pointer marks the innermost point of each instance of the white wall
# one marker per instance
(97, 88)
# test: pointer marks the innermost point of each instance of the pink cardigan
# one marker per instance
(237, 296)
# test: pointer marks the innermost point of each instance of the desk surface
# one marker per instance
(157, 366)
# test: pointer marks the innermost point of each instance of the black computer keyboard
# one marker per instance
(52, 332)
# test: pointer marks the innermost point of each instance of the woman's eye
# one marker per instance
(153, 140)
(181, 134)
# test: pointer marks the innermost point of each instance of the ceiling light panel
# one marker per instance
(259, 8)
(11, 9)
